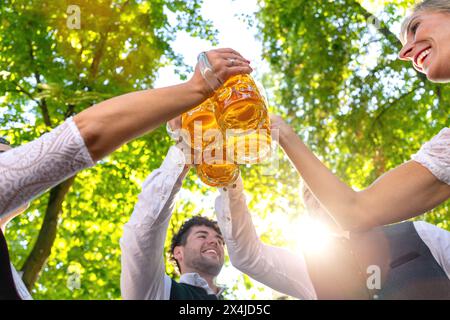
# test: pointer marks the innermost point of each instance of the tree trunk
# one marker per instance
(43, 246)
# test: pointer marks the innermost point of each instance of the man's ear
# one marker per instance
(178, 253)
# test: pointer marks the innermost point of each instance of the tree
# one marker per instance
(338, 80)
(51, 70)
(334, 75)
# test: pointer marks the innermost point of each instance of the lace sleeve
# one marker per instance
(435, 156)
(29, 170)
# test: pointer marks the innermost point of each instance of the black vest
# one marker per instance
(183, 291)
(406, 267)
(8, 289)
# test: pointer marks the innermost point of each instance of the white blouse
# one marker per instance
(435, 156)
(29, 170)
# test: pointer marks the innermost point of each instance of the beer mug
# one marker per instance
(216, 170)
(196, 122)
(252, 148)
(218, 175)
(240, 107)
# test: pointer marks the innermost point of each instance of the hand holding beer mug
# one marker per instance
(230, 128)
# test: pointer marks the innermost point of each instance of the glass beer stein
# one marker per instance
(216, 170)
(240, 105)
(252, 148)
(196, 122)
(218, 175)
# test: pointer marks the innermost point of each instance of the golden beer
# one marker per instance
(216, 170)
(218, 175)
(239, 105)
(203, 135)
(203, 117)
(251, 148)
(229, 129)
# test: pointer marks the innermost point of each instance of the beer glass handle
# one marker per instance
(174, 134)
(207, 72)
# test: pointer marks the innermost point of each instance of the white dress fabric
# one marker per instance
(29, 170)
(435, 156)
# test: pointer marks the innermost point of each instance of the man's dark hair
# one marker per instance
(180, 238)
(4, 141)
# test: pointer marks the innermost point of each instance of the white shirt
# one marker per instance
(281, 269)
(20, 286)
(287, 272)
(29, 170)
(143, 275)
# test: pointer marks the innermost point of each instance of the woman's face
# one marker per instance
(428, 44)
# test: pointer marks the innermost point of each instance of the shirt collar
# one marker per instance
(194, 279)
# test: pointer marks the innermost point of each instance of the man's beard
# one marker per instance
(205, 265)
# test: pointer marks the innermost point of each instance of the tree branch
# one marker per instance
(70, 111)
(101, 47)
(384, 30)
(47, 234)
(388, 106)
(24, 91)
(43, 102)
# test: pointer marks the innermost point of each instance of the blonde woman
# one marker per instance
(414, 187)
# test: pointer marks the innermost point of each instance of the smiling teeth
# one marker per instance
(422, 57)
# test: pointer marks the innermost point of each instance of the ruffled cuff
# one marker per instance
(435, 156)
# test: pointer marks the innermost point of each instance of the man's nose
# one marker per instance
(213, 241)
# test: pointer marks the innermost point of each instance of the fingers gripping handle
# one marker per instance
(207, 72)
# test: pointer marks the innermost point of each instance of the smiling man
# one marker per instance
(197, 248)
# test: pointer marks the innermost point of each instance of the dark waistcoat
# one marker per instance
(183, 291)
(8, 289)
(395, 254)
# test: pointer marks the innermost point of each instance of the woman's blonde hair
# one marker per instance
(425, 5)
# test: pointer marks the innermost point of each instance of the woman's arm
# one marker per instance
(107, 125)
(29, 170)
(404, 192)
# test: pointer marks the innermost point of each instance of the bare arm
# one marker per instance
(107, 125)
(404, 192)
(29, 170)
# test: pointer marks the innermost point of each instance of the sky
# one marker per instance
(233, 33)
